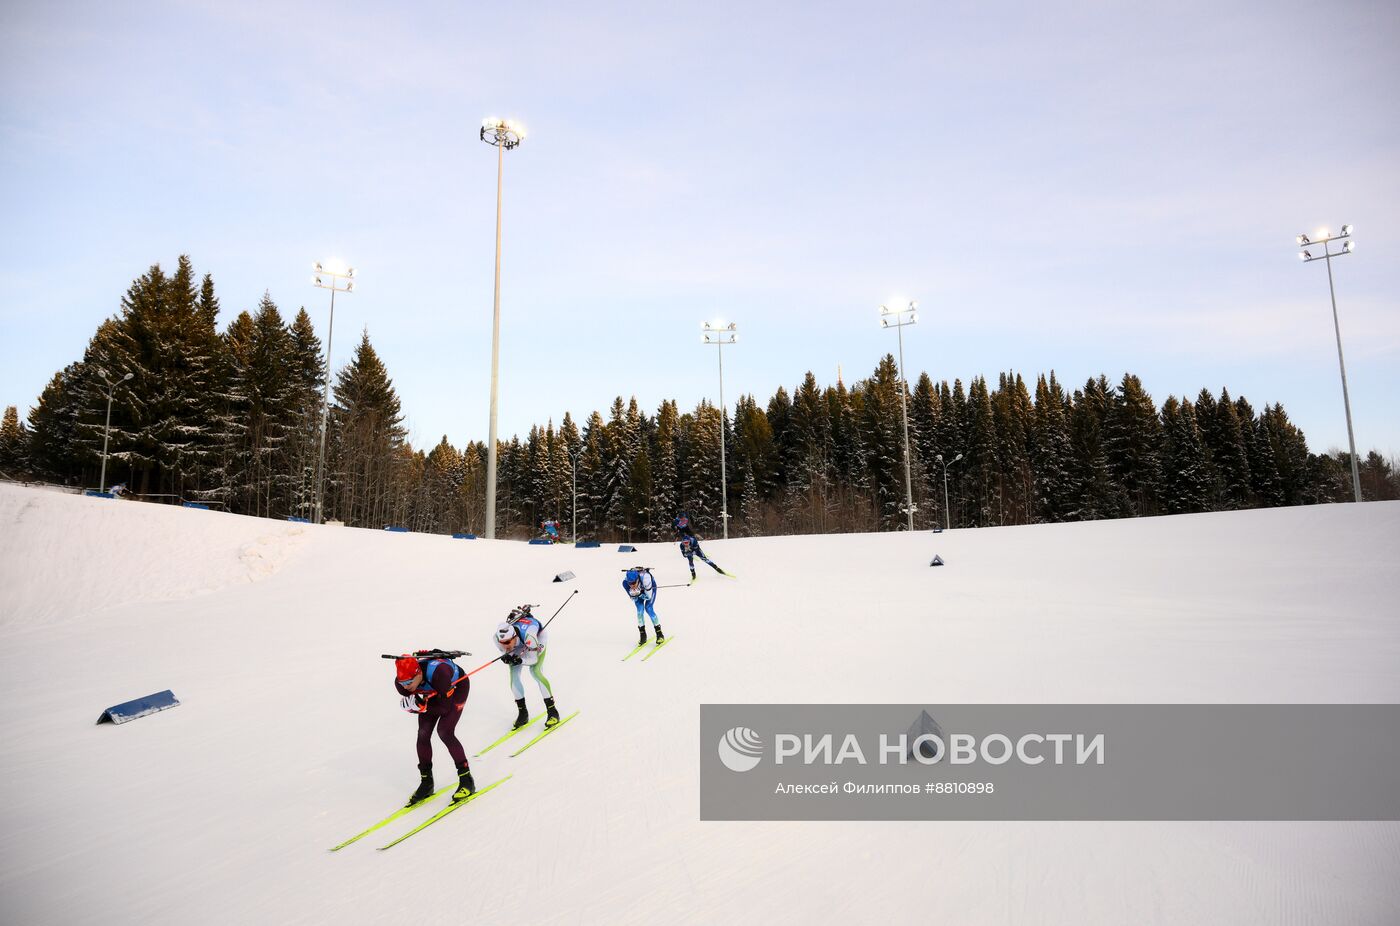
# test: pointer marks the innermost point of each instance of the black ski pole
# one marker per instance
(561, 607)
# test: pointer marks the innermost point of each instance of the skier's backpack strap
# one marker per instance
(432, 666)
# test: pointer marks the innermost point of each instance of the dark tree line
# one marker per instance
(233, 419)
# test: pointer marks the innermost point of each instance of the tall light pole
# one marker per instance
(336, 282)
(896, 319)
(107, 428)
(505, 135)
(720, 334)
(573, 470)
(947, 512)
(1325, 239)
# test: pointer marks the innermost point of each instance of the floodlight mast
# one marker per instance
(1325, 239)
(505, 135)
(720, 334)
(897, 319)
(336, 282)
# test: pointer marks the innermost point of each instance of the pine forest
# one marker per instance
(233, 420)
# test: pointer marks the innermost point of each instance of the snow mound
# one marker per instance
(66, 556)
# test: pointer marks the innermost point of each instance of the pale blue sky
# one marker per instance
(1089, 187)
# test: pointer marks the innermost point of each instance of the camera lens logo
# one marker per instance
(740, 749)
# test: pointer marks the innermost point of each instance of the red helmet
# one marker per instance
(406, 667)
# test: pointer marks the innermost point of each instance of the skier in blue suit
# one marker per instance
(641, 588)
(681, 523)
(690, 548)
(690, 545)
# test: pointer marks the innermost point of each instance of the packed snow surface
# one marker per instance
(290, 739)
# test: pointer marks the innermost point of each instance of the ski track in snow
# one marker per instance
(288, 738)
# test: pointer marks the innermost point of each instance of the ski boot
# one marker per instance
(660, 637)
(425, 786)
(692, 577)
(642, 632)
(465, 786)
(523, 717)
(551, 712)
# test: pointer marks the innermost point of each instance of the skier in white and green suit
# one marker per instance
(522, 641)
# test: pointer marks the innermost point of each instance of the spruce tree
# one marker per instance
(369, 425)
(1228, 454)
(1100, 496)
(13, 445)
(665, 476)
(882, 436)
(701, 493)
(1052, 457)
(619, 445)
(806, 491)
(1290, 451)
(304, 413)
(593, 473)
(779, 471)
(58, 450)
(1263, 469)
(1013, 413)
(1185, 483)
(534, 478)
(1132, 439)
(952, 441)
(923, 435)
(636, 497)
(750, 521)
(755, 448)
(980, 462)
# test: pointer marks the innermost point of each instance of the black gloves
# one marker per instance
(510, 660)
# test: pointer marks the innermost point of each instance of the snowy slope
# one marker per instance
(289, 738)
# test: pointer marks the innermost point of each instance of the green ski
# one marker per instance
(543, 733)
(444, 812)
(394, 816)
(508, 735)
(657, 648)
(634, 652)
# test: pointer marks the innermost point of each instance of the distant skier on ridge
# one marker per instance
(641, 588)
(681, 523)
(690, 546)
(522, 641)
(436, 690)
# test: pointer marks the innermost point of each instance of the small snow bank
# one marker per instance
(63, 556)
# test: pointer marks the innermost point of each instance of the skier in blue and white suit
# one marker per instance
(522, 642)
(690, 548)
(641, 588)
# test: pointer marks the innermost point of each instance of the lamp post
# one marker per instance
(720, 334)
(947, 512)
(504, 135)
(336, 282)
(107, 428)
(1325, 239)
(573, 471)
(896, 319)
